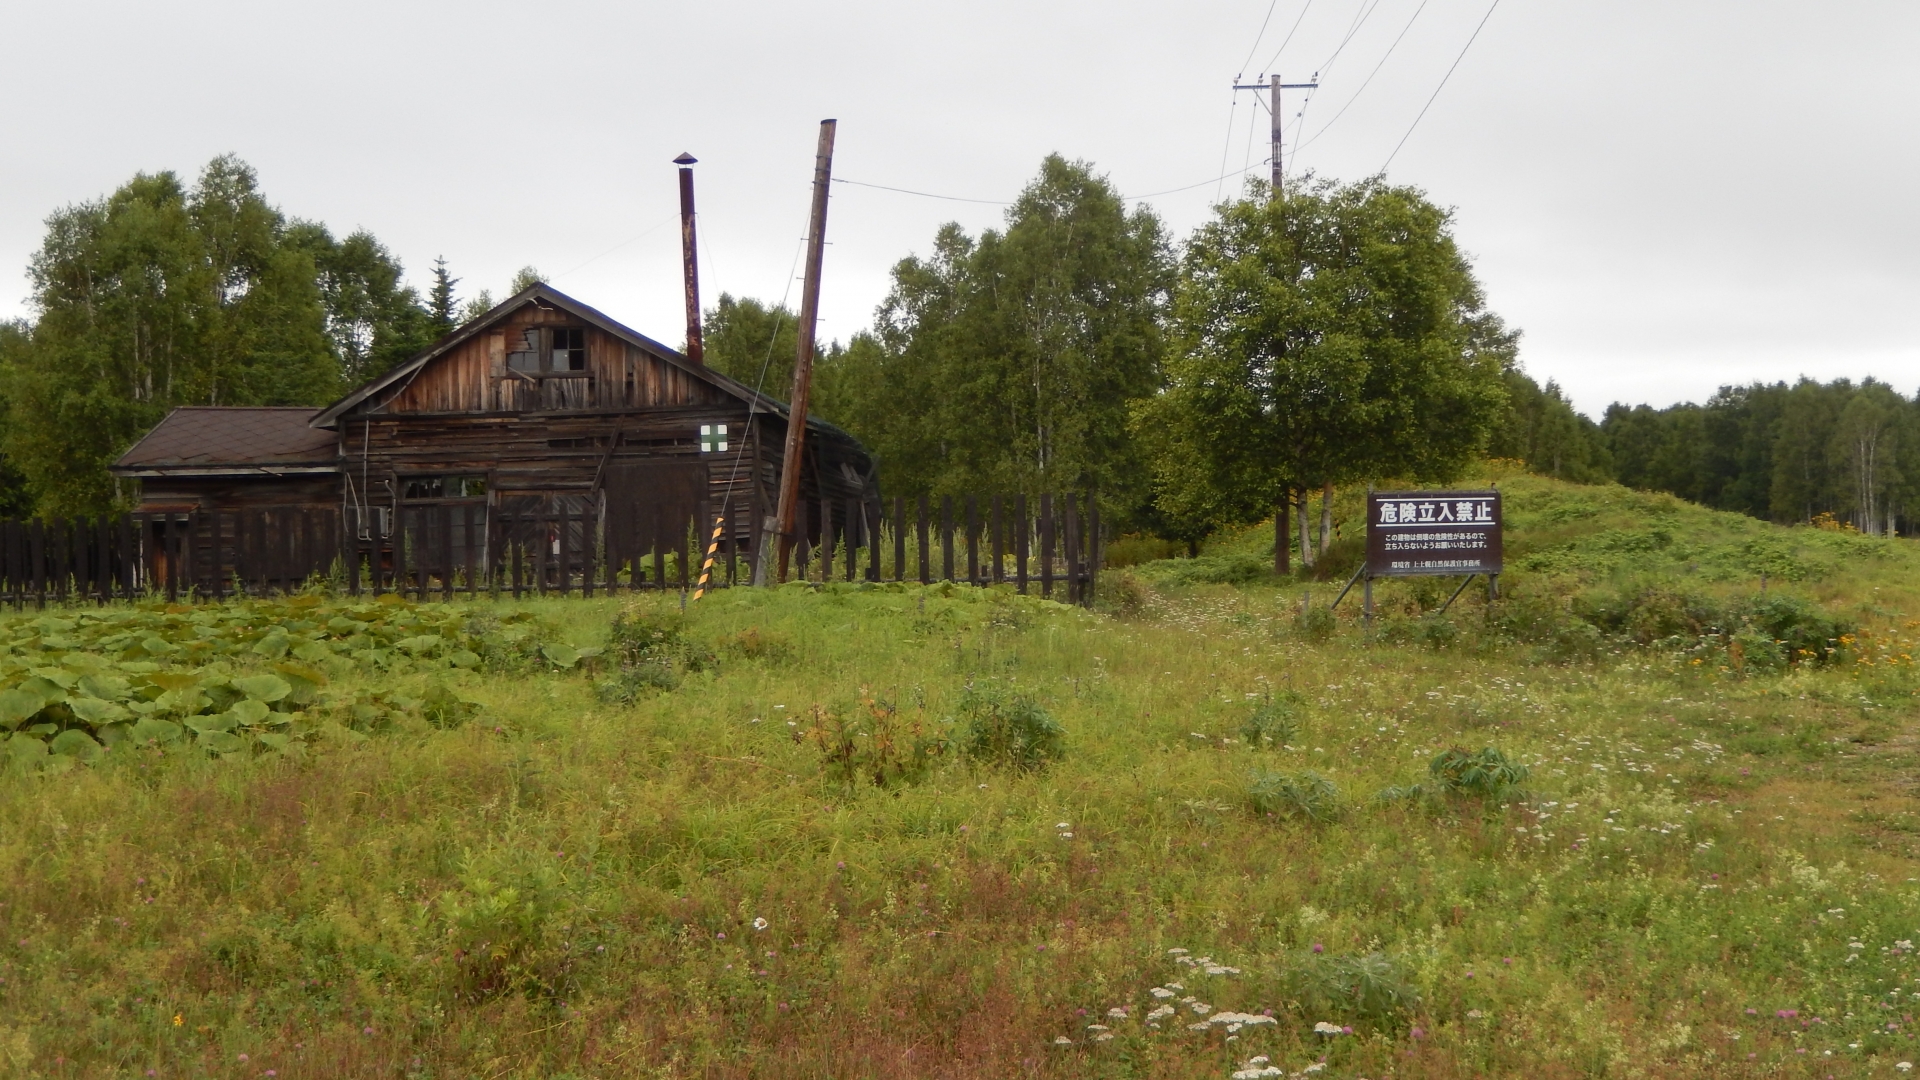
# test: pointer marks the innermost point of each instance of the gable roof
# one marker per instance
(224, 440)
(542, 293)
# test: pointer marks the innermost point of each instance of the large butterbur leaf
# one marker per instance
(152, 729)
(221, 742)
(16, 706)
(75, 743)
(267, 688)
(96, 712)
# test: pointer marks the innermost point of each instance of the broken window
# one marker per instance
(550, 350)
(444, 487)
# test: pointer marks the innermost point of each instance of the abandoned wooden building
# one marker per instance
(541, 405)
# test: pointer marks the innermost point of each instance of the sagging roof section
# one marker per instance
(229, 440)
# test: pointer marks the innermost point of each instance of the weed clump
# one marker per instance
(1305, 795)
(758, 644)
(1274, 722)
(1007, 729)
(1369, 986)
(871, 742)
(1487, 776)
(653, 652)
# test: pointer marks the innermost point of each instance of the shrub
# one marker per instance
(756, 643)
(1367, 987)
(1805, 633)
(871, 742)
(1295, 795)
(1274, 722)
(1314, 623)
(653, 652)
(1008, 729)
(1486, 775)
(1121, 592)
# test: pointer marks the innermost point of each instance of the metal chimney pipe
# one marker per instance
(695, 352)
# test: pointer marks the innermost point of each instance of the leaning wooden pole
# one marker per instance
(784, 524)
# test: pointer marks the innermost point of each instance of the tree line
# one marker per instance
(1328, 334)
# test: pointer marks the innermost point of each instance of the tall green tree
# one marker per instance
(161, 295)
(1006, 361)
(1333, 334)
(442, 307)
(1542, 429)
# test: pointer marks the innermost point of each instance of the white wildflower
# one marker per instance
(1161, 992)
(1160, 1013)
(1200, 1008)
(1096, 1027)
(1903, 1066)
(1116, 1014)
(1175, 986)
(1259, 1072)
(1201, 1026)
(1066, 836)
(1062, 825)
(1176, 952)
(1062, 1041)
(1103, 1036)
(1324, 1028)
(759, 924)
(1315, 1067)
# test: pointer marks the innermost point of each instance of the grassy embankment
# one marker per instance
(1710, 870)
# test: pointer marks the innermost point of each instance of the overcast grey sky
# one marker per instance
(1665, 195)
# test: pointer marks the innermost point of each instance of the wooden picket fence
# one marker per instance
(1051, 545)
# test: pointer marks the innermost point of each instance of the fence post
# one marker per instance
(563, 545)
(946, 538)
(1022, 543)
(899, 538)
(1046, 544)
(1096, 544)
(926, 568)
(973, 540)
(1071, 513)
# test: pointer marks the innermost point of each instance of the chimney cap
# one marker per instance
(685, 159)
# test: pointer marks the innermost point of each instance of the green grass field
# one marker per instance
(904, 832)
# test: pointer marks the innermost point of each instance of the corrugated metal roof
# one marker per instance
(204, 437)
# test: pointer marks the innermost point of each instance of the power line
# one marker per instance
(1256, 40)
(1232, 110)
(922, 194)
(1442, 86)
(1369, 79)
(1304, 8)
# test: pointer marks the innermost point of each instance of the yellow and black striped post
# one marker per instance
(706, 568)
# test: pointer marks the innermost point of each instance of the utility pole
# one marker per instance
(689, 259)
(1274, 85)
(803, 354)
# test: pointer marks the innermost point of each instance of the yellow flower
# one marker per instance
(178, 1020)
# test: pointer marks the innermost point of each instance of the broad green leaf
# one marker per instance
(64, 679)
(75, 743)
(221, 742)
(25, 748)
(313, 652)
(249, 712)
(154, 645)
(16, 706)
(562, 656)
(84, 662)
(185, 701)
(273, 646)
(421, 645)
(263, 687)
(275, 740)
(217, 722)
(152, 729)
(112, 734)
(174, 680)
(46, 690)
(96, 712)
(464, 658)
(106, 687)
